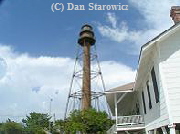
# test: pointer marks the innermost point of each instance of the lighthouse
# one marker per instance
(87, 86)
(86, 40)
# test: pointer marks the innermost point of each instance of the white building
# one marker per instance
(152, 104)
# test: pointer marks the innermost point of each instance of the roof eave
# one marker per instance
(123, 91)
(146, 46)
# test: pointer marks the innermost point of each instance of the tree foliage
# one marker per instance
(88, 121)
(59, 125)
(36, 123)
(11, 127)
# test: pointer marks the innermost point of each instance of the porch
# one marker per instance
(127, 123)
(124, 107)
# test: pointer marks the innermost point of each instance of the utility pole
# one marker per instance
(50, 113)
(54, 117)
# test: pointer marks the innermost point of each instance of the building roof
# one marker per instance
(157, 37)
(146, 50)
(120, 92)
(127, 103)
(124, 88)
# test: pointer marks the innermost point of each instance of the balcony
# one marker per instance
(133, 122)
(127, 123)
(130, 120)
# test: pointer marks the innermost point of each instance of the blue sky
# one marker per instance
(31, 26)
(37, 48)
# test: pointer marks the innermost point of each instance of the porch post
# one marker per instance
(155, 131)
(172, 128)
(149, 132)
(164, 130)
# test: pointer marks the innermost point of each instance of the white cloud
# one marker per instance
(120, 33)
(23, 73)
(116, 74)
(111, 17)
(156, 19)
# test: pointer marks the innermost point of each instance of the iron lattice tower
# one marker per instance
(87, 86)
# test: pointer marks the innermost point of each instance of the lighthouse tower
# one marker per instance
(87, 85)
(86, 40)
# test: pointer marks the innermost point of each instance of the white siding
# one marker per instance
(170, 62)
(154, 112)
(157, 116)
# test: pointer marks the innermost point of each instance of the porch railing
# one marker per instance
(130, 120)
(112, 130)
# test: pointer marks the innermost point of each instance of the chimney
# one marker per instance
(175, 14)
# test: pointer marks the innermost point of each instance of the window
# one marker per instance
(144, 104)
(156, 91)
(149, 95)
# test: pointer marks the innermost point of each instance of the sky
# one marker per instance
(38, 48)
